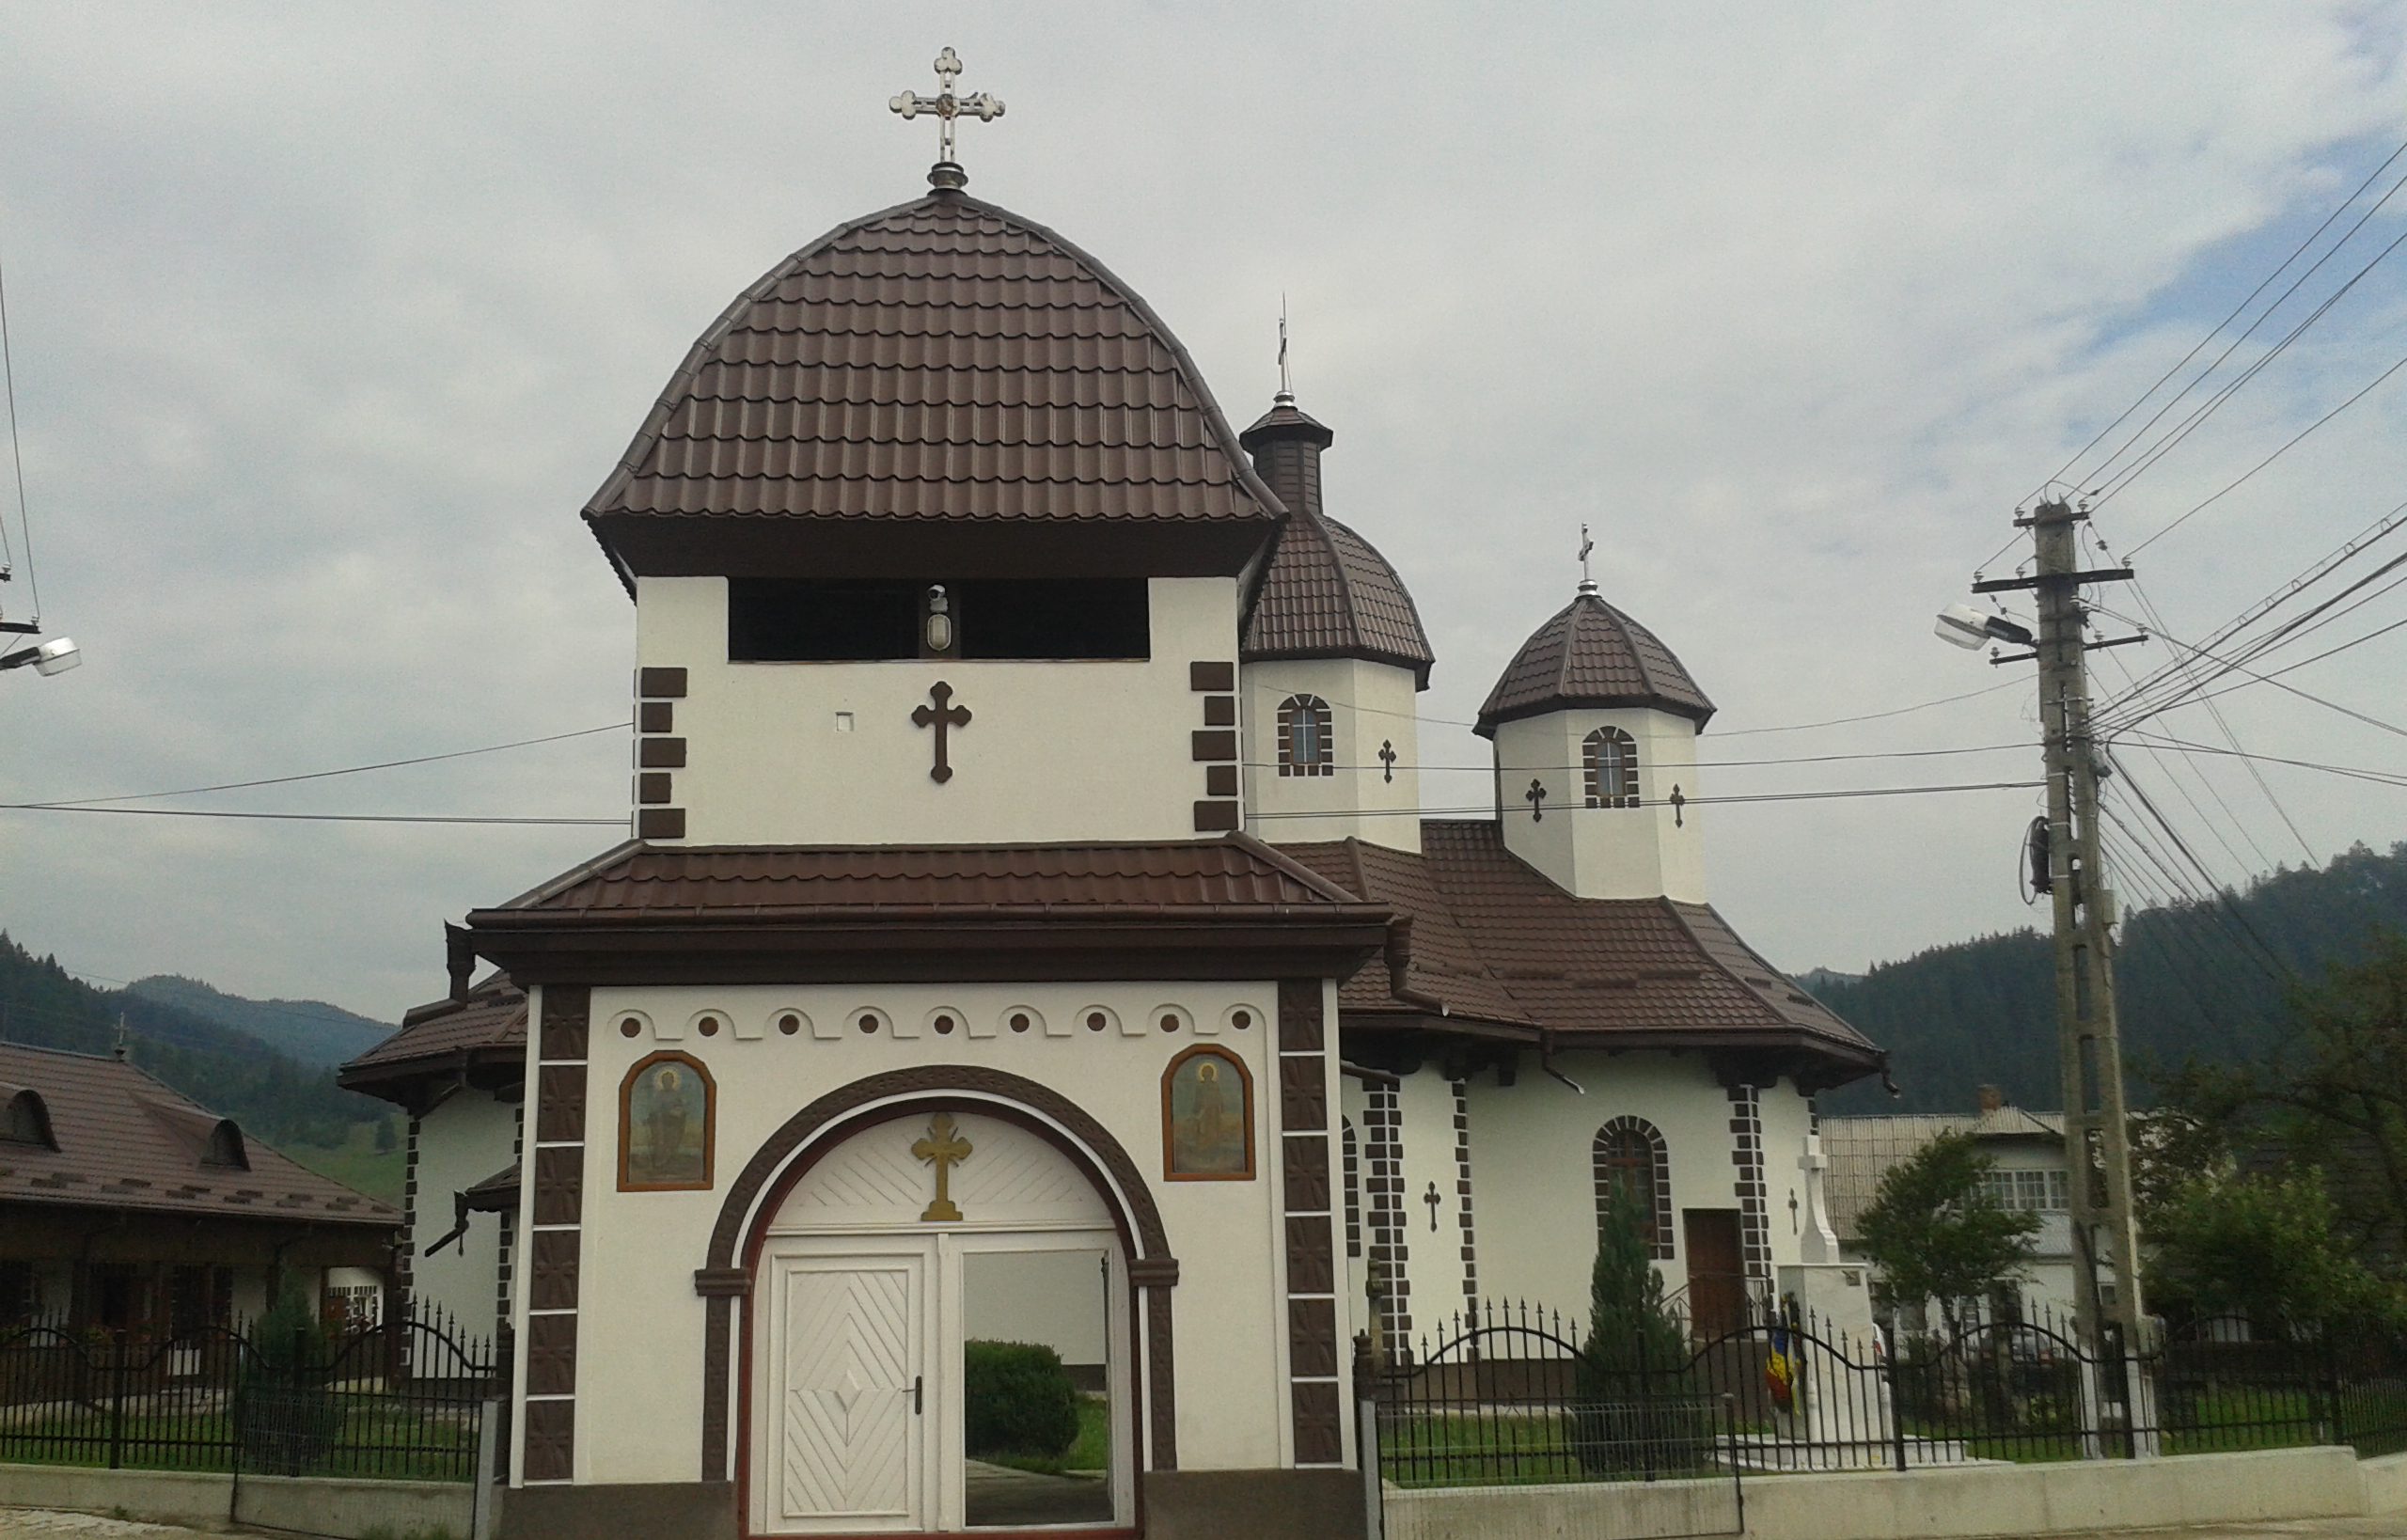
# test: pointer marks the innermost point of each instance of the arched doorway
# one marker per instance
(866, 1287)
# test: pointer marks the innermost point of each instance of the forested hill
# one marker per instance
(2202, 980)
(312, 1031)
(222, 1067)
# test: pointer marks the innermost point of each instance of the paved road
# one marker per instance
(31, 1524)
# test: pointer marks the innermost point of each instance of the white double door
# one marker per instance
(857, 1406)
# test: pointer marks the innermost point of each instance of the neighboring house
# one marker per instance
(127, 1207)
(2029, 1172)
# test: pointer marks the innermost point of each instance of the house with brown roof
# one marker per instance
(127, 1207)
(1030, 931)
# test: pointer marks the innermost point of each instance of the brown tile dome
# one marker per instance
(1326, 592)
(1591, 654)
(942, 363)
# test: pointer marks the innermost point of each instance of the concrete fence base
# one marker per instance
(1962, 1502)
(339, 1507)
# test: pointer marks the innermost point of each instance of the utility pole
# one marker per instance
(2088, 1046)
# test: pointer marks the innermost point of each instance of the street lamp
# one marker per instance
(54, 656)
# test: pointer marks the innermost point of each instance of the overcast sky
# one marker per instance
(327, 320)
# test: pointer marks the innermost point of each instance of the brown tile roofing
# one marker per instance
(942, 360)
(1496, 943)
(1326, 592)
(125, 1141)
(492, 1019)
(1591, 654)
(1231, 873)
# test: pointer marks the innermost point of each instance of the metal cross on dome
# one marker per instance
(947, 107)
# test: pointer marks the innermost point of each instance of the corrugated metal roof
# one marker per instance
(942, 360)
(126, 1140)
(968, 880)
(1862, 1151)
(1590, 654)
(1496, 941)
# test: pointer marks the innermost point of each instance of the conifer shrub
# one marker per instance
(1634, 1411)
(1020, 1401)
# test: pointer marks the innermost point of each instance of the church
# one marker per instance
(1028, 932)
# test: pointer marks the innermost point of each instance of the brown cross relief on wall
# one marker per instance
(943, 716)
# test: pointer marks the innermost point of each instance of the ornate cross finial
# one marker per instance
(1286, 391)
(944, 716)
(1587, 583)
(1536, 798)
(1387, 758)
(943, 1148)
(947, 108)
(1679, 808)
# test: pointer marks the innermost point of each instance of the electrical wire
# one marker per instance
(2342, 206)
(1488, 809)
(17, 454)
(2149, 807)
(304, 817)
(324, 775)
(2122, 722)
(1669, 764)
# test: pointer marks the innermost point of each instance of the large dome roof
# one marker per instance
(1327, 591)
(944, 361)
(1591, 654)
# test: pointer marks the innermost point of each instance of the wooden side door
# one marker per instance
(1717, 1271)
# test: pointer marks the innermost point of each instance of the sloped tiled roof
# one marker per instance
(769, 880)
(1326, 592)
(1494, 941)
(942, 360)
(1590, 654)
(126, 1140)
(1861, 1151)
(492, 1019)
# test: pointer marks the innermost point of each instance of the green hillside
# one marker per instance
(312, 1031)
(2208, 981)
(230, 1071)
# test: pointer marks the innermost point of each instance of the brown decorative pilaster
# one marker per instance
(1747, 1154)
(555, 1193)
(1310, 1222)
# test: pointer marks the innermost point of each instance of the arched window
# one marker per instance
(1353, 1189)
(1630, 1160)
(1304, 738)
(1612, 764)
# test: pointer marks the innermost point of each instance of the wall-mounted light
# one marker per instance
(939, 632)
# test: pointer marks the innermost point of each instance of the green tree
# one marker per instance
(1631, 1378)
(1934, 1232)
(2262, 1246)
(2331, 1094)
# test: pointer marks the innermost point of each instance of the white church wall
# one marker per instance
(1372, 706)
(1786, 1117)
(827, 753)
(1433, 1250)
(1654, 850)
(640, 1324)
(467, 1138)
(1533, 1166)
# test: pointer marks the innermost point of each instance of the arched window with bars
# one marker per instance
(1630, 1161)
(1611, 762)
(1306, 745)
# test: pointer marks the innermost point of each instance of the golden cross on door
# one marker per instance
(947, 107)
(943, 1148)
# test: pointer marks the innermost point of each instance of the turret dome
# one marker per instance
(1591, 654)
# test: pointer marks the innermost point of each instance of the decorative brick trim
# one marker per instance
(656, 716)
(1747, 1154)
(509, 1222)
(660, 753)
(661, 823)
(1312, 1271)
(1215, 746)
(1612, 785)
(1217, 817)
(1462, 1189)
(552, 1285)
(660, 684)
(1383, 1189)
(1318, 757)
(652, 786)
(1215, 677)
(1611, 1149)
(1219, 781)
(1353, 1157)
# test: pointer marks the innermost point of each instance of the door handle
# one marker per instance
(916, 1406)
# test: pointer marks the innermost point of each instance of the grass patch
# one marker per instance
(380, 1436)
(1091, 1450)
(357, 1163)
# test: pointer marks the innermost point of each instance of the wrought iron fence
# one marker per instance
(1513, 1394)
(402, 1399)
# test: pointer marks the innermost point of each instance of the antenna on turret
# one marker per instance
(1587, 583)
(1287, 395)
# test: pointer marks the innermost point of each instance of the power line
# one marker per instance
(322, 775)
(17, 454)
(1682, 764)
(2263, 284)
(1488, 809)
(302, 817)
(2123, 722)
(2358, 772)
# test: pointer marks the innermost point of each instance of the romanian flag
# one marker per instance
(1780, 1369)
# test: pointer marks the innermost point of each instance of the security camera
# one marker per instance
(1971, 628)
(54, 656)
